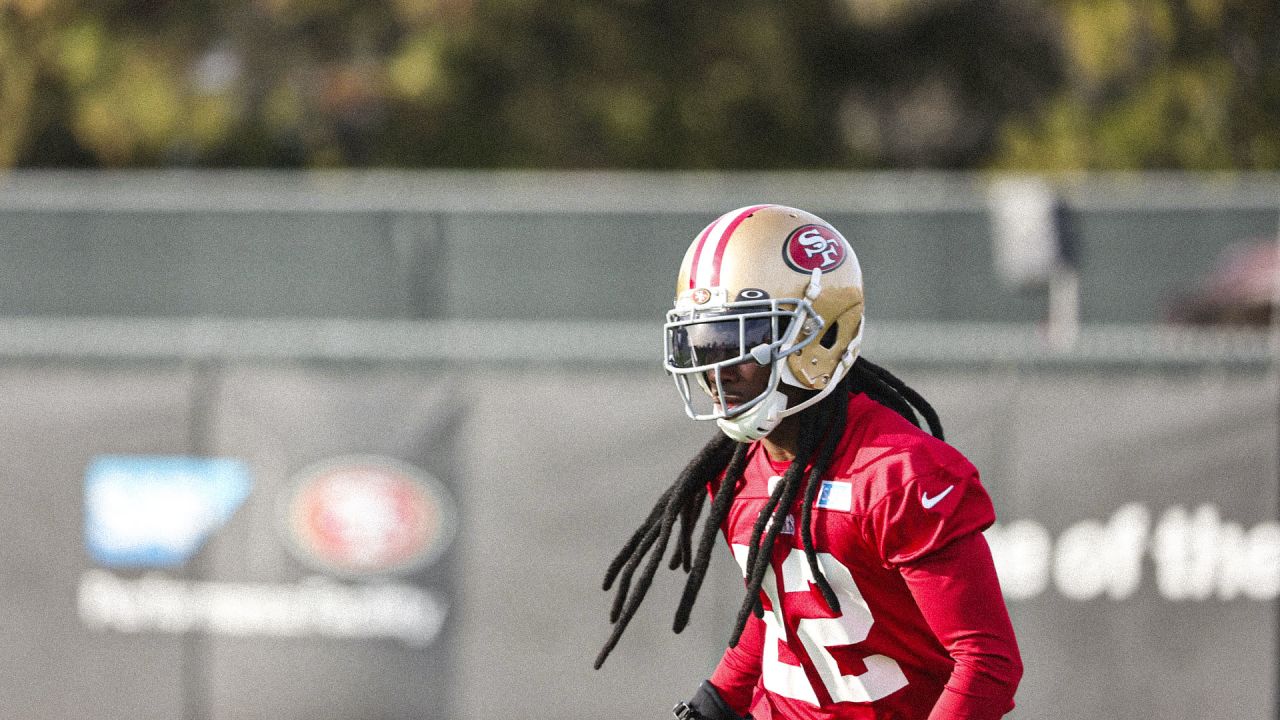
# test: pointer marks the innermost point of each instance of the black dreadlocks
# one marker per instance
(819, 436)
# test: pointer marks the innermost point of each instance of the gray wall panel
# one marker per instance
(58, 420)
(285, 263)
(554, 245)
(932, 265)
(1083, 446)
(282, 420)
(554, 467)
(54, 422)
(1136, 263)
(565, 266)
(917, 265)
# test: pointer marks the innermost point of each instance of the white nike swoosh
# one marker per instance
(929, 502)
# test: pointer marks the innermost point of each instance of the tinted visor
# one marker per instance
(714, 341)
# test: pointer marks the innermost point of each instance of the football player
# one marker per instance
(871, 591)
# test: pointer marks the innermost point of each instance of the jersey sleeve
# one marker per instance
(739, 670)
(925, 513)
(959, 595)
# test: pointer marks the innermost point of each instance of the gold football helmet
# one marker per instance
(767, 284)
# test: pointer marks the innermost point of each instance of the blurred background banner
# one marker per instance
(360, 444)
(178, 552)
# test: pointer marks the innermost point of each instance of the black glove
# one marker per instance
(706, 704)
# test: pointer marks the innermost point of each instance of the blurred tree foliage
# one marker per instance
(1173, 84)
(637, 83)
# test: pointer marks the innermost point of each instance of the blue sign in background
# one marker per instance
(157, 511)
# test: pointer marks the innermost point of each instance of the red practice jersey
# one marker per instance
(922, 627)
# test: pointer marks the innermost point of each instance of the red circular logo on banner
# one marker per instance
(368, 516)
(810, 247)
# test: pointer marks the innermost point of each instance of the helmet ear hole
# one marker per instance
(828, 339)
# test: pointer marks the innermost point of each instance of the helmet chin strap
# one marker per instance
(756, 422)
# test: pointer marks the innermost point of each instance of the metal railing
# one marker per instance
(593, 343)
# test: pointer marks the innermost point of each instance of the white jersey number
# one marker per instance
(882, 677)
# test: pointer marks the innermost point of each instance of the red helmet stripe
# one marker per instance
(724, 241)
(697, 254)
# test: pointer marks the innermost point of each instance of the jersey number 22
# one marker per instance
(882, 677)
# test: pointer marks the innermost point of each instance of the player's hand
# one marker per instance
(706, 704)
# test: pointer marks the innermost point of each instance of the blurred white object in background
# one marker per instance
(1032, 250)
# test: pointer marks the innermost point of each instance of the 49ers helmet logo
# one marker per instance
(810, 247)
